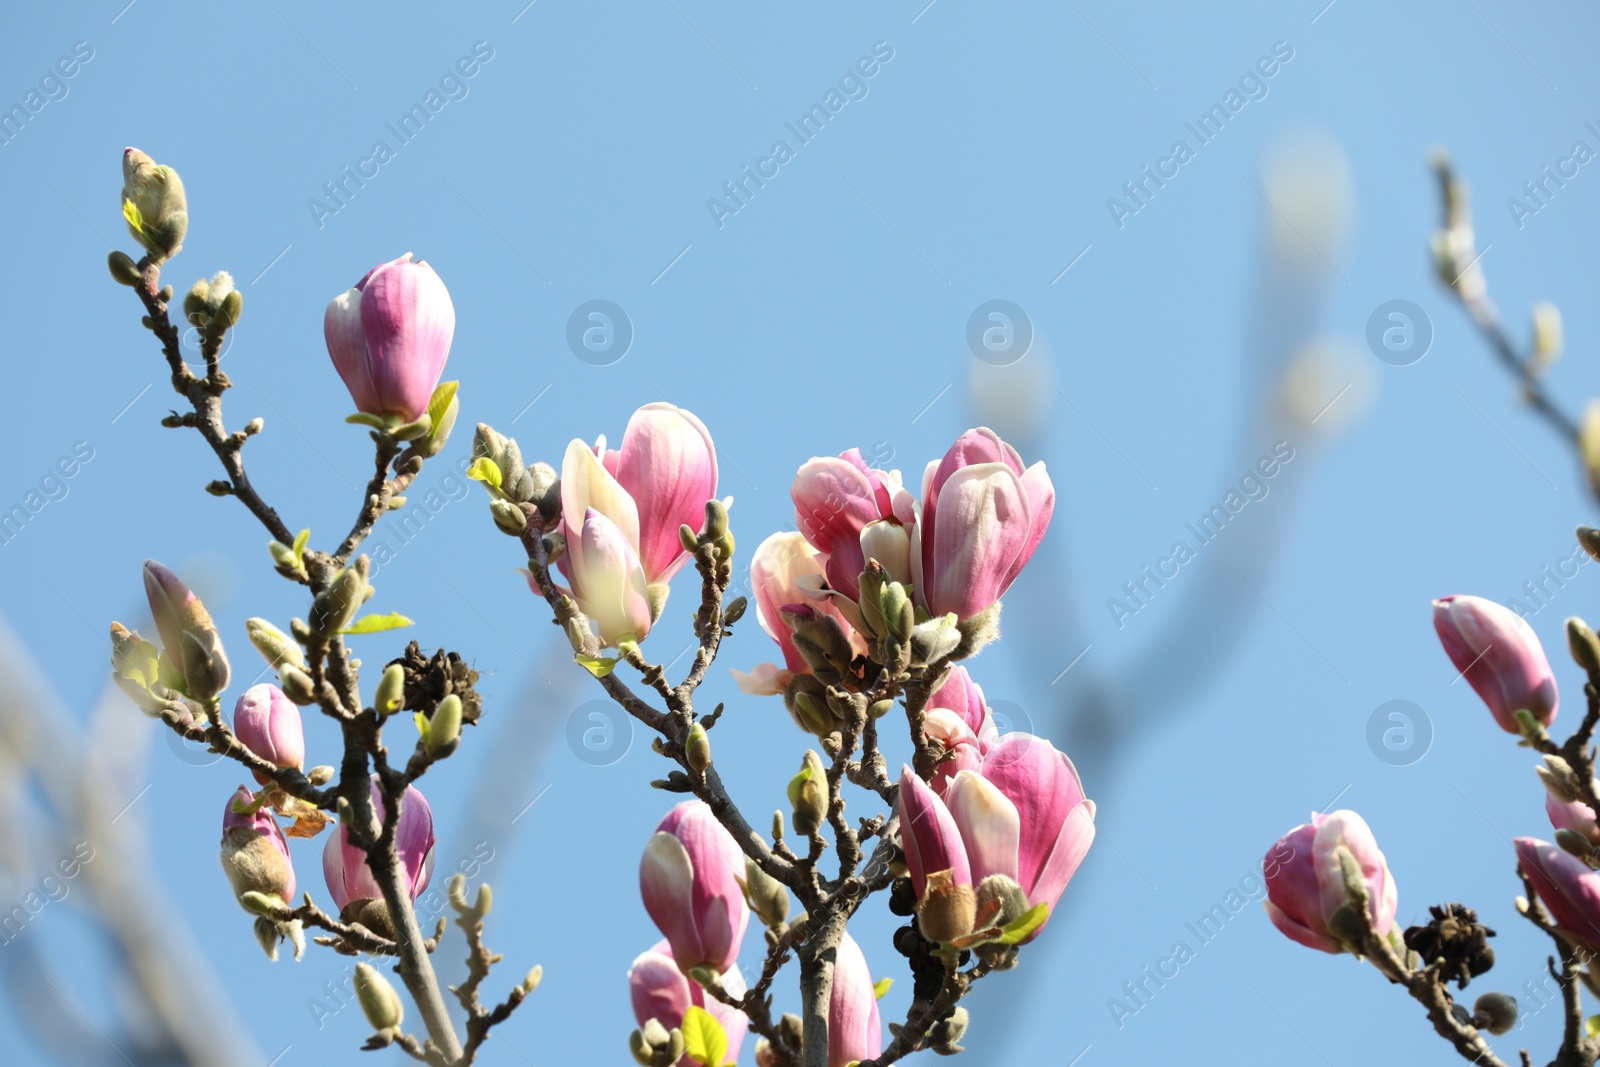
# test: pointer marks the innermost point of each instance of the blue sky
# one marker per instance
(830, 310)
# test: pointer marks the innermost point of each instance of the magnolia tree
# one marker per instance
(874, 603)
(1329, 886)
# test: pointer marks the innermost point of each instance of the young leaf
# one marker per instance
(599, 666)
(130, 211)
(485, 470)
(703, 1037)
(443, 393)
(1592, 1026)
(361, 418)
(373, 624)
(300, 541)
(797, 781)
(1020, 927)
(881, 988)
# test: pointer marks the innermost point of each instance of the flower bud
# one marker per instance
(255, 854)
(214, 306)
(1495, 1012)
(268, 724)
(391, 692)
(153, 203)
(335, 607)
(389, 338)
(189, 638)
(123, 269)
(653, 1045)
(444, 729)
(379, 1002)
(1583, 644)
(508, 517)
(1497, 652)
(944, 1036)
(768, 898)
(275, 646)
(689, 880)
(735, 610)
(698, 749)
(808, 794)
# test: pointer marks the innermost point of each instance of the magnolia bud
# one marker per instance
(735, 610)
(273, 644)
(1584, 645)
(697, 749)
(297, 685)
(1574, 842)
(1495, 1012)
(444, 729)
(948, 909)
(535, 976)
(653, 1045)
(123, 269)
(336, 606)
(808, 793)
(1002, 890)
(508, 517)
(716, 530)
(1558, 778)
(944, 1035)
(153, 203)
(391, 693)
(379, 1002)
(767, 896)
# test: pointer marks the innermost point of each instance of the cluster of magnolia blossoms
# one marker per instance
(1318, 874)
(389, 338)
(255, 849)
(999, 828)
(700, 889)
(870, 563)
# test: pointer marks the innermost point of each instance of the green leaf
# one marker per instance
(485, 470)
(130, 211)
(439, 403)
(703, 1037)
(1592, 1026)
(881, 988)
(361, 418)
(422, 726)
(375, 624)
(599, 666)
(1019, 928)
(797, 781)
(301, 539)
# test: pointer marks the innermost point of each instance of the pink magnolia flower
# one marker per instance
(1569, 889)
(345, 866)
(668, 465)
(390, 336)
(607, 581)
(255, 854)
(661, 992)
(963, 748)
(689, 879)
(658, 481)
(268, 724)
(1023, 814)
(786, 571)
(855, 1029)
(1575, 816)
(964, 696)
(1499, 655)
(929, 836)
(983, 514)
(1305, 886)
(850, 512)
